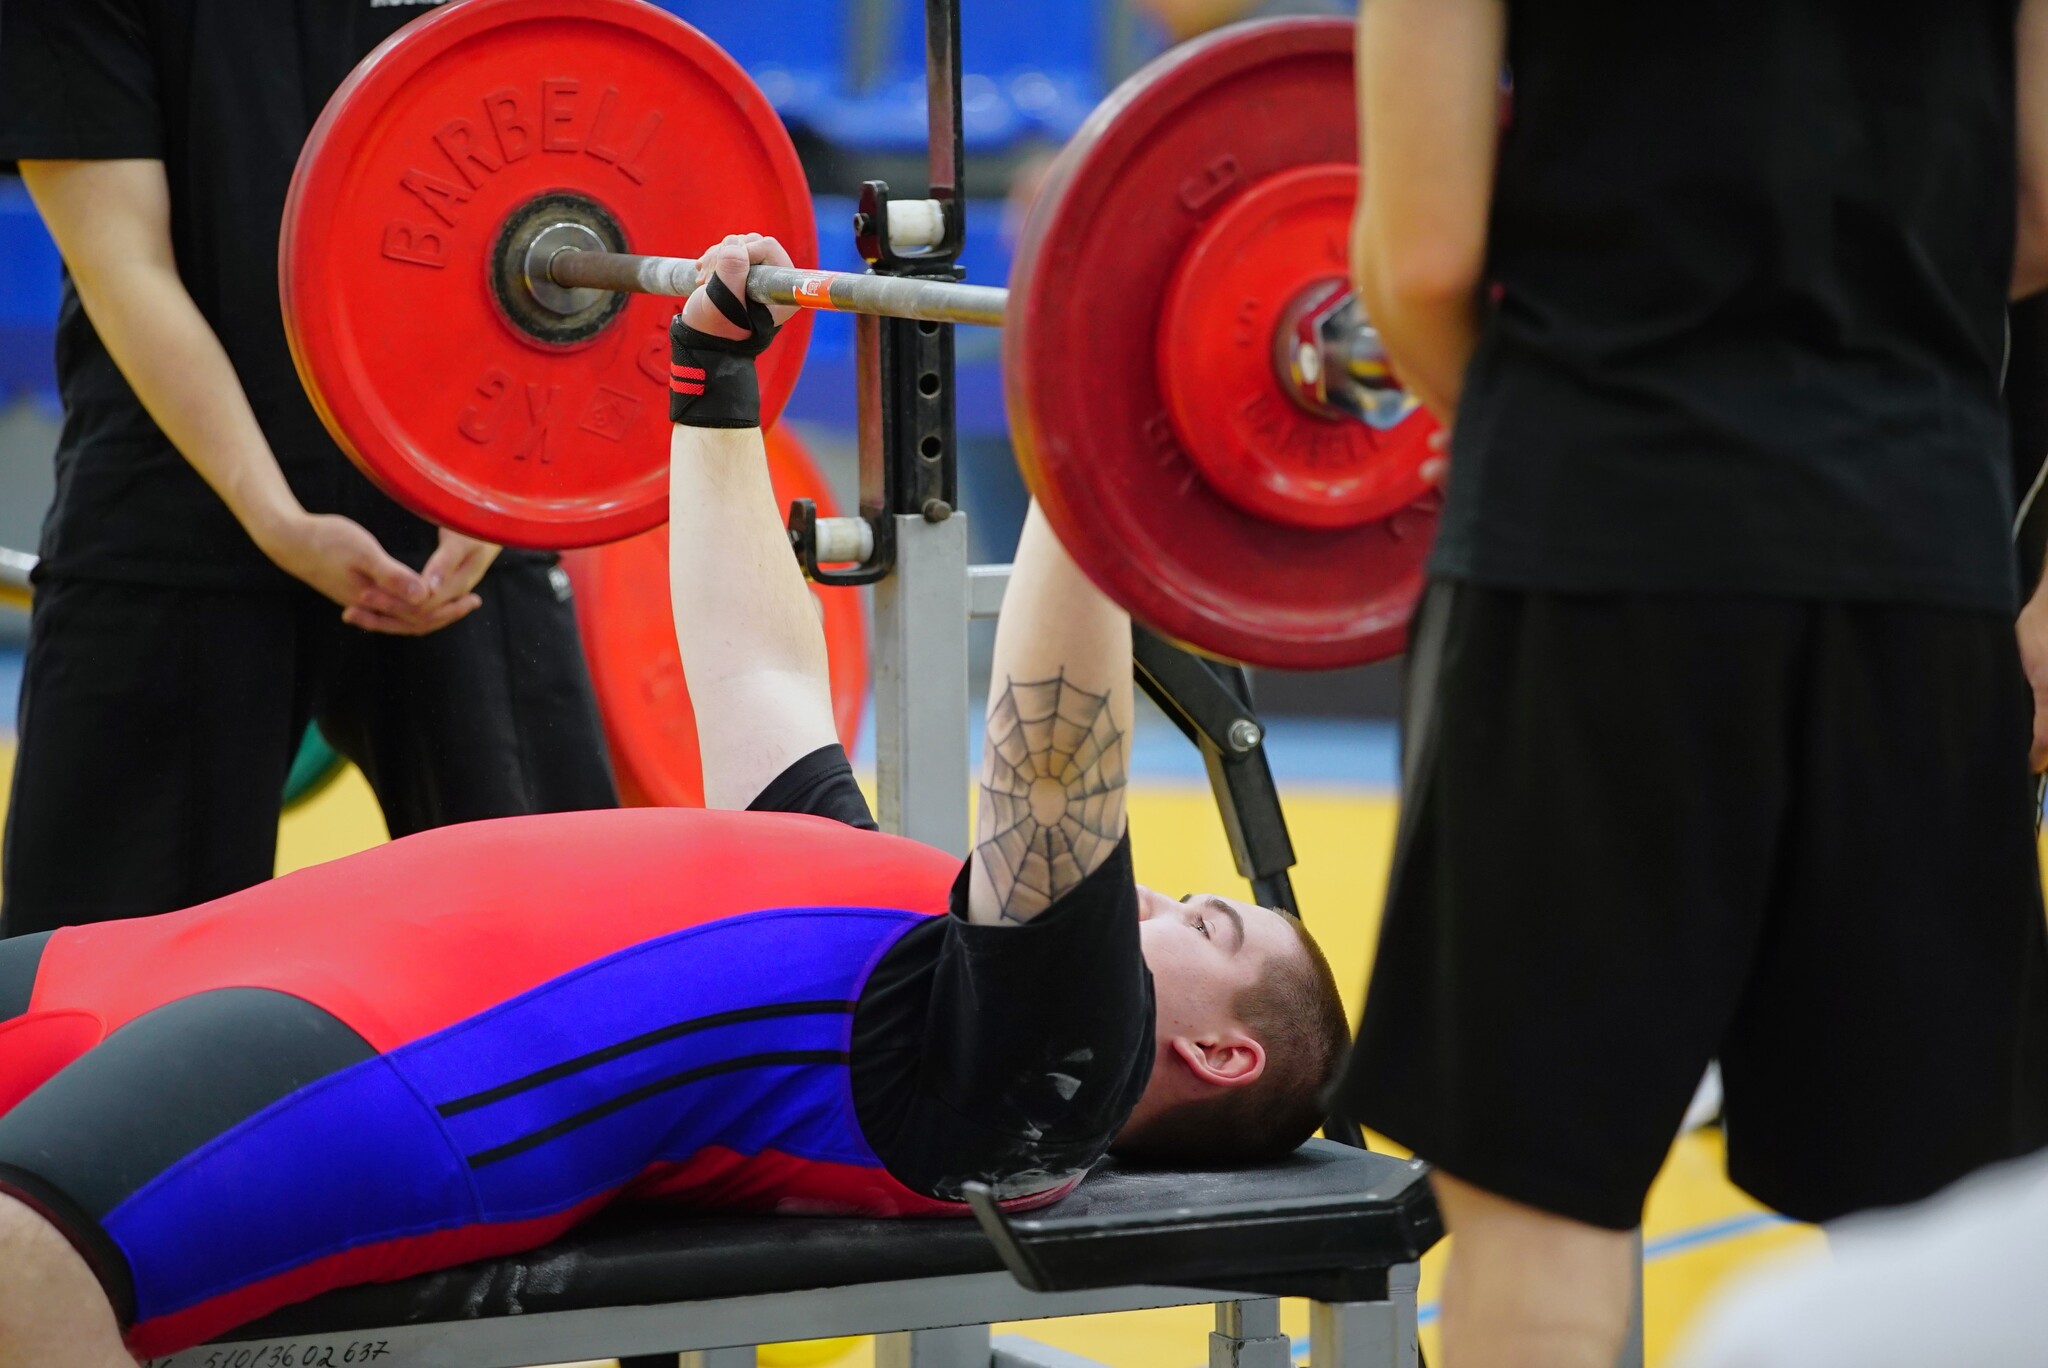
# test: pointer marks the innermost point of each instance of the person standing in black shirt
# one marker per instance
(214, 572)
(1717, 733)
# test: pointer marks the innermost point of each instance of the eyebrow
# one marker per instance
(1236, 919)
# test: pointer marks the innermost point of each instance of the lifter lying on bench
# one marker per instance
(461, 1043)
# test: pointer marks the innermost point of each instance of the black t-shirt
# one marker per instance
(223, 92)
(1749, 263)
(1010, 1055)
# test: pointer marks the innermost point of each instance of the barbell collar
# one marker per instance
(936, 301)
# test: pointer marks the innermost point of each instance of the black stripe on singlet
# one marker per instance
(646, 1090)
(554, 1072)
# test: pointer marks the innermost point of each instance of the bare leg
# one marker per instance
(1526, 1289)
(52, 1311)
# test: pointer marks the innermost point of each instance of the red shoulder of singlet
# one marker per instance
(415, 935)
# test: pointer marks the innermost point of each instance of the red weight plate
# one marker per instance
(1130, 197)
(1221, 353)
(446, 138)
(629, 641)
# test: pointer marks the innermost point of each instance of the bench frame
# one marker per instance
(919, 1322)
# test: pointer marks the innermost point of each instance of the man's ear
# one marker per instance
(1231, 1060)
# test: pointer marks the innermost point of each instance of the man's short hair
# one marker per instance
(1296, 1013)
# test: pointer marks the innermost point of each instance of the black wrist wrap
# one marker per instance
(711, 379)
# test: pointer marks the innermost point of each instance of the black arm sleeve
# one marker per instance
(819, 785)
(1007, 1054)
(77, 81)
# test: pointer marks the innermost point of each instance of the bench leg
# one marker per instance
(959, 1346)
(1248, 1336)
(1378, 1334)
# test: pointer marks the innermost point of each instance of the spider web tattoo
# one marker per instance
(1052, 792)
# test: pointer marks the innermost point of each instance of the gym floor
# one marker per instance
(1700, 1230)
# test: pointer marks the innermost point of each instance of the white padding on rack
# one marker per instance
(916, 223)
(845, 539)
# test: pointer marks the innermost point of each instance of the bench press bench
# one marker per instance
(1334, 1223)
(1339, 1225)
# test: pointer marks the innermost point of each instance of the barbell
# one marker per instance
(1327, 356)
(1195, 398)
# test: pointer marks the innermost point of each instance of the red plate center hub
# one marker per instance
(1218, 371)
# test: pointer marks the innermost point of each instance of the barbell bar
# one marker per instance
(935, 301)
(1349, 358)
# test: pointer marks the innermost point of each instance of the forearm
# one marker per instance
(122, 267)
(2030, 257)
(752, 646)
(2030, 260)
(177, 367)
(1428, 107)
(1429, 340)
(1057, 747)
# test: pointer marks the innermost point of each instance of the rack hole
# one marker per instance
(928, 384)
(930, 448)
(927, 327)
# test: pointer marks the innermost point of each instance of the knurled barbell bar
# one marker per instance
(1329, 357)
(936, 301)
(1194, 396)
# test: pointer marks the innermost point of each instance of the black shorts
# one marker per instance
(157, 726)
(1643, 833)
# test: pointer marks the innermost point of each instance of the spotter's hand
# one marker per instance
(730, 260)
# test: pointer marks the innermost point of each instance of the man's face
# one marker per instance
(1203, 951)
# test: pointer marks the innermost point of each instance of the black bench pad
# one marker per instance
(647, 1255)
(1326, 1224)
